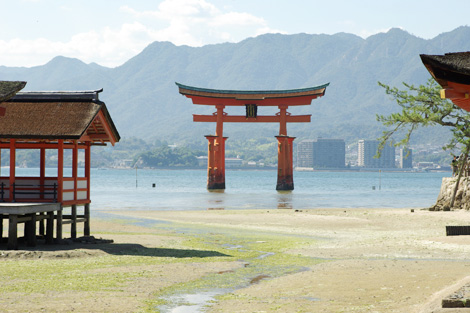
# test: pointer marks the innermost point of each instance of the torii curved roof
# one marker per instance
(207, 96)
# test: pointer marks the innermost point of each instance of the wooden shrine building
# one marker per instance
(452, 72)
(252, 102)
(57, 123)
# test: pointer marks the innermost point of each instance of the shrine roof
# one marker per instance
(450, 67)
(9, 88)
(58, 115)
(57, 96)
(191, 91)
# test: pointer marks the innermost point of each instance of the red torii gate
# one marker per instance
(251, 100)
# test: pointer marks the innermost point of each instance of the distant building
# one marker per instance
(305, 153)
(202, 161)
(229, 162)
(233, 162)
(124, 163)
(406, 158)
(321, 153)
(426, 165)
(367, 149)
(329, 153)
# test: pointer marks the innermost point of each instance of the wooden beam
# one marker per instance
(92, 137)
(106, 128)
(450, 93)
(301, 100)
(258, 119)
(40, 145)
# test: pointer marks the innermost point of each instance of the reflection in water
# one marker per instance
(284, 200)
(216, 190)
(218, 202)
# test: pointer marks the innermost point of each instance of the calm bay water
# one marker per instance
(114, 189)
(250, 189)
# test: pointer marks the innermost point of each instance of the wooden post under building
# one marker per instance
(251, 100)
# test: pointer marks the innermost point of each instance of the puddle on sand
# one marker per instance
(191, 303)
(265, 255)
(199, 299)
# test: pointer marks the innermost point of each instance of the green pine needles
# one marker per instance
(422, 106)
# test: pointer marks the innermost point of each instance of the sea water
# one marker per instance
(255, 189)
(131, 189)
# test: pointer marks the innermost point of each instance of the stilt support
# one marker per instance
(73, 228)
(86, 228)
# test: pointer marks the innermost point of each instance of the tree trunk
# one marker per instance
(461, 169)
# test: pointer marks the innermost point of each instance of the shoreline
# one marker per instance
(361, 260)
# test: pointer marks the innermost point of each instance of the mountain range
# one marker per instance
(144, 102)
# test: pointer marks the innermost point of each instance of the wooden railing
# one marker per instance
(34, 192)
(33, 189)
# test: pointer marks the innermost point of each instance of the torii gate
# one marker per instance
(251, 100)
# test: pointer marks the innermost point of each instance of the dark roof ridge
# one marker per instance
(453, 67)
(69, 96)
(251, 91)
(9, 88)
(454, 61)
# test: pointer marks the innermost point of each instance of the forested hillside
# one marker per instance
(144, 102)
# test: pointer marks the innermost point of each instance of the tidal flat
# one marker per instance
(322, 260)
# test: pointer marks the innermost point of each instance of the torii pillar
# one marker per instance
(216, 154)
(285, 165)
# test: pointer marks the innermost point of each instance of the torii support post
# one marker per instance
(216, 162)
(285, 168)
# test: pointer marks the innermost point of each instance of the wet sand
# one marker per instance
(331, 260)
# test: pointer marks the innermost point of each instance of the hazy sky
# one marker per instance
(109, 32)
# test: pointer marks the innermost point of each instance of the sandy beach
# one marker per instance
(322, 260)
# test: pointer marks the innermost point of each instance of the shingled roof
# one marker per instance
(58, 115)
(9, 88)
(453, 67)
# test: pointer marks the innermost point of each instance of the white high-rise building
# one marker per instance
(367, 150)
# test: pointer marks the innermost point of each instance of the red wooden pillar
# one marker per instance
(285, 170)
(60, 169)
(42, 188)
(12, 168)
(75, 169)
(216, 153)
(283, 120)
(215, 162)
(220, 149)
(221, 156)
(73, 230)
(86, 228)
(87, 168)
(42, 171)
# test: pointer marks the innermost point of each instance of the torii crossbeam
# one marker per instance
(251, 100)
